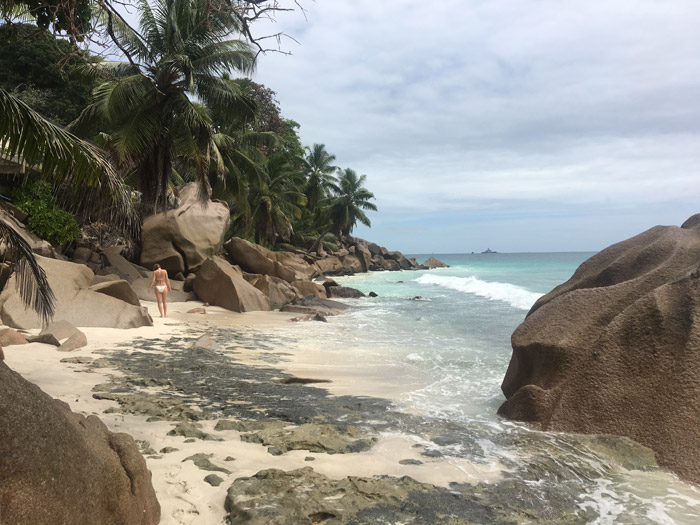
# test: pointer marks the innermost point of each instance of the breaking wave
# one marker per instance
(512, 294)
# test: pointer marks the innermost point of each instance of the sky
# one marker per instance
(514, 125)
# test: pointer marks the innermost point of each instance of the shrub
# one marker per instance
(45, 218)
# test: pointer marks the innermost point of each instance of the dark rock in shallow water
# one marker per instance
(432, 262)
(343, 292)
(616, 349)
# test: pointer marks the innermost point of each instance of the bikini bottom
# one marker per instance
(161, 289)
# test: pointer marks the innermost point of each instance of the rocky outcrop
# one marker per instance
(75, 303)
(312, 305)
(253, 258)
(14, 218)
(305, 288)
(10, 336)
(432, 262)
(335, 291)
(221, 284)
(61, 334)
(616, 349)
(180, 240)
(119, 289)
(60, 468)
(114, 263)
(329, 265)
(278, 291)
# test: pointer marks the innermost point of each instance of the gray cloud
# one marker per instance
(465, 104)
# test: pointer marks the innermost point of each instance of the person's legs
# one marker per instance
(165, 303)
(159, 298)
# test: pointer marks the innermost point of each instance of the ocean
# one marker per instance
(441, 339)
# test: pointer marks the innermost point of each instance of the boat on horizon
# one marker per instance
(489, 250)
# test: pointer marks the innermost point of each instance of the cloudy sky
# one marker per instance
(513, 125)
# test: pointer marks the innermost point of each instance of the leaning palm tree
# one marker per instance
(147, 107)
(318, 165)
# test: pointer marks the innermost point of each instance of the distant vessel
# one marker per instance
(489, 250)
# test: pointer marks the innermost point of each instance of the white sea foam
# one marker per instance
(510, 293)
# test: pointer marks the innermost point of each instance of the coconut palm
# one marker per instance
(318, 165)
(240, 149)
(343, 211)
(147, 106)
(277, 201)
(350, 201)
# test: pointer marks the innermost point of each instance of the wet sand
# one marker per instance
(184, 495)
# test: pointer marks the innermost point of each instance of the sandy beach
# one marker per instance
(181, 458)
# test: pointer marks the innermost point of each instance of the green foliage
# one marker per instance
(46, 219)
(70, 16)
(145, 110)
(37, 69)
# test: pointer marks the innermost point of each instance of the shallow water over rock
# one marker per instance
(541, 477)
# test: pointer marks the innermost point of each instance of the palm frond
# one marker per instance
(32, 284)
(26, 134)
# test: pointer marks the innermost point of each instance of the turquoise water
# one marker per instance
(449, 328)
(444, 334)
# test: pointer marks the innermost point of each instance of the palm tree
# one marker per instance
(352, 197)
(240, 149)
(146, 106)
(277, 201)
(26, 135)
(318, 165)
(345, 209)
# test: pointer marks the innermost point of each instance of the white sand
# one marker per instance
(183, 494)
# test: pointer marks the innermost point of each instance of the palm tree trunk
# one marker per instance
(317, 242)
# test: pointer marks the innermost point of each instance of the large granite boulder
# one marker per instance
(75, 303)
(180, 240)
(221, 284)
(305, 288)
(329, 265)
(60, 468)
(402, 260)
(253, 258)
(278, 291)
(120, 289)
(114, 263)
(616, 349)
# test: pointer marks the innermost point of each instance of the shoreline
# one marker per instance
(185, 497)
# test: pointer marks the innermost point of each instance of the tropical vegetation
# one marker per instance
(170, 112)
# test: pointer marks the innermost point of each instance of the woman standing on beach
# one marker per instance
(162, 284)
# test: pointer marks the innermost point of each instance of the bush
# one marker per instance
(45, 218)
